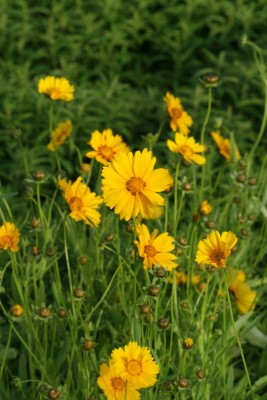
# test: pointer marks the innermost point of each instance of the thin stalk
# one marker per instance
(202, 137)
(236, 335)
(175, 198)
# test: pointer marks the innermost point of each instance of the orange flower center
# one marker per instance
(106, 152)
(135, 185)
(150, 250)
(186, 151)
(76, 204)
(177, 112)
(134, 367)
(117, 384)
(218, 257)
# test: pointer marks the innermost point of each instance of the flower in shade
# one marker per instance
(180, 120)
(224, 146)
(105, 146)
(155, 249)
(82, 202)
(216, 248)
(205, 208)
(135, 365)
(188, 148)
(60, 135)
(114, 386)
(245, 297)
(56, 88)
(131, 184)
(9, 237)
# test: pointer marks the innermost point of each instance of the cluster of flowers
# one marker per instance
(129, 369)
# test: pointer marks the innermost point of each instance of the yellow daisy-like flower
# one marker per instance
(60, 135)
(82, 202)
(205, 208)
(130, 184)
(114, 386)
(105, 146)
(56, 88)
(224, 146)
(155, 249)
(244, 296)
(180, 120)
(188, 148)
(135, 365)
(216, 248)
(9, 237)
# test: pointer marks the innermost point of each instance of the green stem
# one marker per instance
(202, 137)
(51, 117)
(236, 335)
(68, 269)
(175, 198)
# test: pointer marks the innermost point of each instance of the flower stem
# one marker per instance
(237, 338)
(175, 198)
(202, 137)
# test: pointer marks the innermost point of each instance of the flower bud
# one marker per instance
(130, 226)
(50, 251)
(78, 293)
(27, 192)
(54, 394)
(210, 224)
(188, 343)
(16, 311)
(183, 382)
(244, 232)
(144, 309)
(35, 251)
(182, 241)
(109, 237)
(35, 223)
(83, 260)
(153, 291)
(160, 272)
(62, 313)
(167, 386)
(210, 80)
(16, 383)
(163, 323)
(252, 181)
(187, 186)
(38, 176)
(44, 312)
(88, 344)
(241, 178)
(200, 374)
(42, 388)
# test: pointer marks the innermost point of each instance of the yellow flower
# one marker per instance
(130, 184)
(114, 386)
(216, 249)
(180, 120)
(135, 364)
(180, 277)
(245, 297)
(9, 237)
(155, 249)
(16, 310)
(205, 208)
(82, 202)
(60, 135)
(224, 146)
(56, 88)
(105, 146)
(188, 148)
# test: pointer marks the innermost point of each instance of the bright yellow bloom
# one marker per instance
(105, 146)
(114, 386)
(135, 364)
(60, 135)
(216, 249)
(205, 208)
(180, 120)
(9, 237)
(224, 146)
(130, 184)
(82, 202)
(155, 249)
(187, 147)
(56, 88)
(244, 296)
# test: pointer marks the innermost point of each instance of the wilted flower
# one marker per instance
(60, 135)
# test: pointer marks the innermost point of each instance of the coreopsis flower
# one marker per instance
(205, 208)
(188, 148)
(224, 146)
(131, 184)
(180, 120)
(114, 386)
(60, 135)
(155, 249)
(216, 248)
(56, 88)
(245, 297)
(105, 146)
(82, 202)
(135, 365)
(9, 237)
